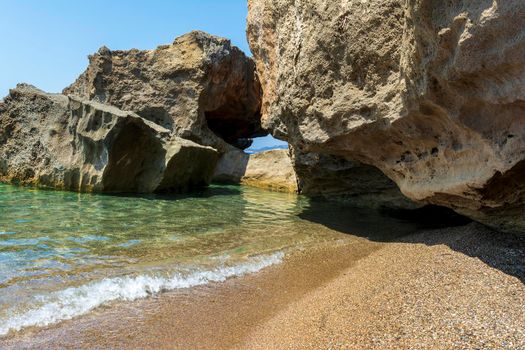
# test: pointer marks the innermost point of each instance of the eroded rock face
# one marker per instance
(200, 87)
(430, 92)
(57, 141)
(271, 170)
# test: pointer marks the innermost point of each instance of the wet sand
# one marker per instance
(453, 288)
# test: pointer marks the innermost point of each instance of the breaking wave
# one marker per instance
(71, 302)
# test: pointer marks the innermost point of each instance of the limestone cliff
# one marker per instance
(430, 92)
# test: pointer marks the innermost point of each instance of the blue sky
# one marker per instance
(46, 43)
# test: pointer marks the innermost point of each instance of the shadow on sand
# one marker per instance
(429, 225)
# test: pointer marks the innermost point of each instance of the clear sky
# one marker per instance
(46, 43)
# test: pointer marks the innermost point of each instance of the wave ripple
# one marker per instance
(75, 301)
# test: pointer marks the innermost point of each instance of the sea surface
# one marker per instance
(63, 254)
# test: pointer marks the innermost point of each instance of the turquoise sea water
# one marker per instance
(63, 254)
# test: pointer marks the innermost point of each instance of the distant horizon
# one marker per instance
(255, 149)
(54, 38)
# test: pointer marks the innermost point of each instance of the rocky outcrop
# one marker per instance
(430, 92)
(200, 87)
(271, 170)
(52, 140)
(182, 98)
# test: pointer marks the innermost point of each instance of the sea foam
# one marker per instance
(75, 301)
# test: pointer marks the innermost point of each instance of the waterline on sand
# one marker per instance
(75, 301)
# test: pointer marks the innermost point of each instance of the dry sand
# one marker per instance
(409, 295)
(454, 288)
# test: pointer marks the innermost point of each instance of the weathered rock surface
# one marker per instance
(270, 170)
(57, 141)
(432, 93)
(200, 87)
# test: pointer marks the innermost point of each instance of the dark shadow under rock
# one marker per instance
(430, 225)
(135, 161)
(337, 178)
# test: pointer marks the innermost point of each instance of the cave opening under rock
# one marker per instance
(234, 125)
(365, 197)
(135, 161)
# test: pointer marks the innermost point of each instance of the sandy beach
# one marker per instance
(460, 288)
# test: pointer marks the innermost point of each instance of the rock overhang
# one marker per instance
(427, 92)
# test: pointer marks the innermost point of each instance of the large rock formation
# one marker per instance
(271, 170)
(200, 87)
(56, 141)
(432, 93)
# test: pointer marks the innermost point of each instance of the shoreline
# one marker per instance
(179, 318)
(348, 294)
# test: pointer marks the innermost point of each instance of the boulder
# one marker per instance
(271, 170)
(200, 87)
(431, 93)
(52, 140)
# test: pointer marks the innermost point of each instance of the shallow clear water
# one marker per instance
(63, 254)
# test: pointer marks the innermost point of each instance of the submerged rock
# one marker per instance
(270, 170)
(57, 141)
(431, 93)
(200, 88)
